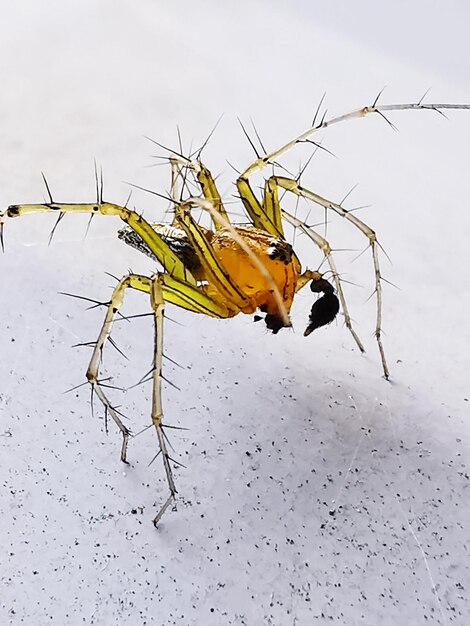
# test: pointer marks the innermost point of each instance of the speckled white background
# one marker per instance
(314, 491)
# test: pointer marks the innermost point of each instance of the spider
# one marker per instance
(227, 269)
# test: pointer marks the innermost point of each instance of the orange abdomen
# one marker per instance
(275, 255)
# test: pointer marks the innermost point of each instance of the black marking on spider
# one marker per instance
(280, 250)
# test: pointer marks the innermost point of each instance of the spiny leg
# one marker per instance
(264, 216)
(262, 162)
(175, 170)
(308, 275)
(166, 289)
(206, 182)
(271, 206)
(157, 301)
(165, 255)
(294, 187)
(162, 288)
(137, 282)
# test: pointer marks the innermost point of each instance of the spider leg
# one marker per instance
(161, 288)
(293, 186)
(308, 275)
(137, 282)
(264, 216)
(211, 202)
(272, 207)
(214, 271)
(206, 182)
(164, 289)
(175, 170)
(262, 162)
(157, 301)
(165, 255)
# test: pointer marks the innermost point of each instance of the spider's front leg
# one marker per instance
(157, 246)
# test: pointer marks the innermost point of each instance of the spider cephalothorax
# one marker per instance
(226, 269)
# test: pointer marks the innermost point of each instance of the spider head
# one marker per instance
(325, 309)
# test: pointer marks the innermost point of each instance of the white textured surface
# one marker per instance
(283, 431)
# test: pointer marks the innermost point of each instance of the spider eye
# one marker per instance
(323, 312)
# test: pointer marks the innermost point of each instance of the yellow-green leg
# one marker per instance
(165, 255)
(262, 162)
(293, 186)
(213, 268)
(264, 216)
(135, 281)
(214, 271)
(206, 182)
(309, 275)
(161, 288)
(157, 301)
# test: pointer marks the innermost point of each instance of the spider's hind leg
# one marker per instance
(156, 245)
